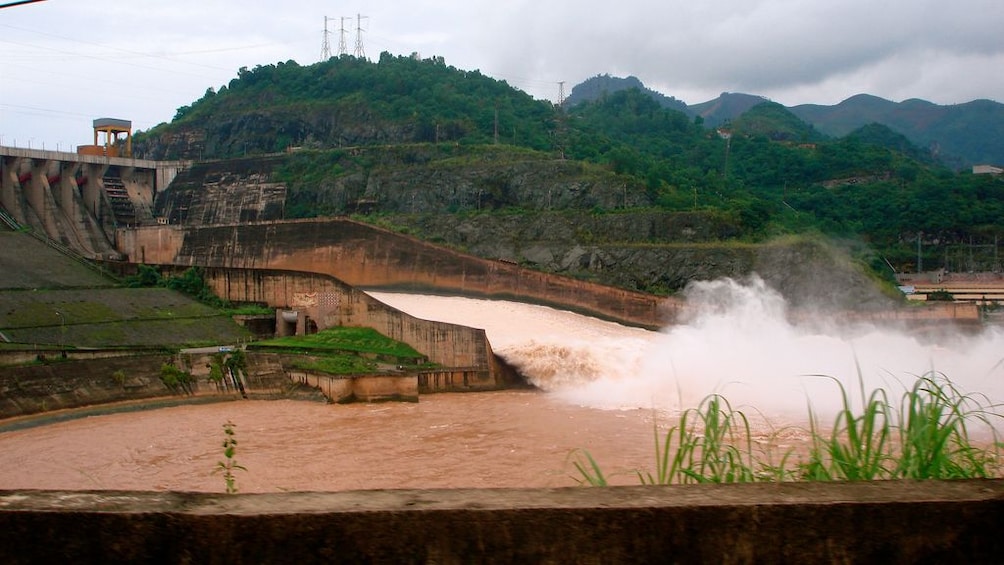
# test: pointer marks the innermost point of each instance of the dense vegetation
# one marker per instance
(350, 101)
(344, 350)
(768, 172)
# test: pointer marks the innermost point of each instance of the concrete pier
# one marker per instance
(80, 200)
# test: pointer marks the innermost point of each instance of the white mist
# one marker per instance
(737, 342)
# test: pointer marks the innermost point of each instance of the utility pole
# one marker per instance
(62, 328)
(325, 43)
(360, 52)
(725, 167)
(342, 48)
(997, 262)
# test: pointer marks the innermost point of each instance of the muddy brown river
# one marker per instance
(603, 387)
(505, 439)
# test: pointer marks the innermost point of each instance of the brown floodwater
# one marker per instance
(483, 440)
(602, 388)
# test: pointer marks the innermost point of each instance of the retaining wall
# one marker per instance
(365, 256)
(868, 522)
(75, 383)
(361, 388)
(330, 302)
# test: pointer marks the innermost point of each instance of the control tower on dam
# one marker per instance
(80, 199)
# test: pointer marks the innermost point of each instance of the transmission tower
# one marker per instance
(561, 93)
(342, 48)
(325, 44)
(360, 52)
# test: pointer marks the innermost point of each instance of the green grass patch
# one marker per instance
(250, 310)
(336, 364)
(345, 339)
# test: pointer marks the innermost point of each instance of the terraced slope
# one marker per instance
(50, 300)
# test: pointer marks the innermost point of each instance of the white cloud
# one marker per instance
(67, 62)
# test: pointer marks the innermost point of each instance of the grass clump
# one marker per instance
(926, 437)
(338, 364)
(700, 449)
(345, 338)
(344, 350)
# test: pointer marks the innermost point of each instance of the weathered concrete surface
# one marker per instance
(79, 200)
(330, 302)
(69, 384)
(362, 388)
(61, 384)
(239, 190)
(873, 522)
(365, 256)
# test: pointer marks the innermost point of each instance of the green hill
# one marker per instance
(348, 102)
(402, 135)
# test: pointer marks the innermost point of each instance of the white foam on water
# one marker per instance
(736, 342)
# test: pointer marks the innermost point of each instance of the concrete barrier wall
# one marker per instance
(868, 522)
(361, 388)
(59, 385)
(25, 356)
(457, 379)
(76, 383)
(365, 256)
(338, 304)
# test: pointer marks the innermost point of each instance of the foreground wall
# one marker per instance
(876, 522)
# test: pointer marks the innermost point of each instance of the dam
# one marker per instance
(605, 390)
(80, 199)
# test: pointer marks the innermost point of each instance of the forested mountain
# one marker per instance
(348, 101)
(727, 107)
(601, 85)
(959, 135)
(761, 174)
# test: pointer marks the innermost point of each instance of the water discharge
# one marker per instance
(604, 386)
(737, 341)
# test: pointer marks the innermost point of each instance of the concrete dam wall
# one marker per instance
(80, 200)
(365, 256)
(327, 301)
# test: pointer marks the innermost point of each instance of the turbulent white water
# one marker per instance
(737, 343)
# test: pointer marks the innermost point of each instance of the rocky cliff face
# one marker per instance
(257, 133)
(656, 252)
(223, 193)
(549, 214)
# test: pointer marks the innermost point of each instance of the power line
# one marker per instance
(104, 57)
(342, 48)
(107, 59)
(359, 51)
(18, 3)
(325, 43)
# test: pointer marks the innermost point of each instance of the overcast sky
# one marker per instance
(66, 62)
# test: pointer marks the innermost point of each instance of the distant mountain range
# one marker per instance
(959, 135)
